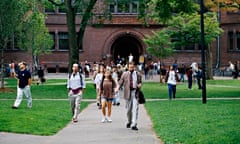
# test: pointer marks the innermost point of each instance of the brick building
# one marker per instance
(124, 35)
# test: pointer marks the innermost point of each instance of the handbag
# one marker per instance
(140, 96)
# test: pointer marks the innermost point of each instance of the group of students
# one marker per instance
(172, 78)
(108, 85)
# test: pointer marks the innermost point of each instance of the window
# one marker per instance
(230, 40)
(189, 47)
(49, 10)
(61, 9)
(52, 34)
(63, 40)
(238, 40)
(124, 6)
(177, 46)
(12, 44)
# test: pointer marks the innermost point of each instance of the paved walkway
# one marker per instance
(90, 130)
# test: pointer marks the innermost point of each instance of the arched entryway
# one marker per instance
(126, 45)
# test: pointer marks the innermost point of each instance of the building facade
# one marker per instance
(123, 35)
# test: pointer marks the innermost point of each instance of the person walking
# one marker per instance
(12, 68)
(24, 82)
(98, 81)
(182, 72)
(199, 76)
(131, 80)
(172, 79)
(189, 76)
(236, 72)
(76, 86)
(108, 88)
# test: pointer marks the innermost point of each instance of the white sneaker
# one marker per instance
(104, 120)
(109, 119)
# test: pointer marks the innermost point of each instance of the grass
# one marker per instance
(216, 122)
(52, 89)
(184, 121)
(45, 117)
(214, 88)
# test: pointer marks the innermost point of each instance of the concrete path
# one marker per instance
(90, 130)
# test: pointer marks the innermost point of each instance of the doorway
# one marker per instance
(126, 45)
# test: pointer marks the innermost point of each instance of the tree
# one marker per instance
(159, 44)
(34, 34)
(186, 28)
(19, 21)
(72, 7)
(12, 13)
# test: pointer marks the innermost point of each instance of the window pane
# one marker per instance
(135, 6)
(49, 10)
(123, 6)
(111, 8)
(62, 10)
(63, 41)
(230, 40)
(52, 34)
(189, 47)
(238, 40)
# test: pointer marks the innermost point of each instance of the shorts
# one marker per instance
(106, 99)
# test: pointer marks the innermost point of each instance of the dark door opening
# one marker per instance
(124, 46)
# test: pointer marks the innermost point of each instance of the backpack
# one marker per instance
(81, 79)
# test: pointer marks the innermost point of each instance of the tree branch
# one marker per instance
(55, 3)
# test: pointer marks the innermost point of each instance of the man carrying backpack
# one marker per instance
(76, 85)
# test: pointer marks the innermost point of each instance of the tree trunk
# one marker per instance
(84, 22)
(73, 49)
(2, 69)
(209, 74)
(76, 43)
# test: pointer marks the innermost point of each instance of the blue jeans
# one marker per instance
(172, 91)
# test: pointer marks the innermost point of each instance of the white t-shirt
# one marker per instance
(171, 78)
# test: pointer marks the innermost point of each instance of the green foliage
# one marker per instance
(11, 15)
(162, 10)
(159, 44)
(183, 29)
(186, 28)
(35, 34)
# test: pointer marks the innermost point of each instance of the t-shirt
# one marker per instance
(172, 78)
(23, 77)
(107, 88)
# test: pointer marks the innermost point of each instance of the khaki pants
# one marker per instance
(75, 101)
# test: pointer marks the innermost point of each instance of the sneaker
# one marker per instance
(104, 120)
(128, 125)
(134, 128)
(75, 120)
(14, 107)
(109, 120)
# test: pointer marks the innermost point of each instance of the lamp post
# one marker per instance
(204, 98)
(218, 38)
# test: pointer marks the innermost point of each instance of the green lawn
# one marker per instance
(214, 88)
(191, 122)
(177, 121)
(45, 117)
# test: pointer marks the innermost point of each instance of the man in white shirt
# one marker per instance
(76, 85)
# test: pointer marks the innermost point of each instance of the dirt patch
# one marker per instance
(6, 90)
